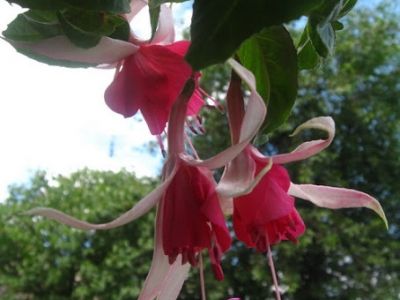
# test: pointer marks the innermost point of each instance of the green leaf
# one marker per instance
(307, 57)
(321, 24)
(337, 25)
(110, 6)
(154, 15)
(347, 7)
(216, 32)
(322, 36)
(122, 28)
(272, 58)
(46, 17)
(71, 25)
(25, 29)
(85, 28)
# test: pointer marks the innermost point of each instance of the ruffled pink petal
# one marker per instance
(107, 51)
(308, 149)
(252, 121)
(150, 80)
(334, 198)
(165, 33)
(139, 209)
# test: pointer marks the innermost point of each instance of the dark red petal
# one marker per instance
(267, 214)
(150, 80)
(184, 227)
(192, 218)
(268, 200)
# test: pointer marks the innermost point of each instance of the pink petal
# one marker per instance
(150, 80)
(252, 121)
(139, 209)
(107, 51)
(165, 33)
(307, 149)
(334, 198)
(179, 47)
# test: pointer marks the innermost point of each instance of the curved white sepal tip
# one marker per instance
(335, 198)
(310, 148)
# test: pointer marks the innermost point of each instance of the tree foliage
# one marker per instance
(41, 259)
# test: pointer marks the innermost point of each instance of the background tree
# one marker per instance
(41, 259)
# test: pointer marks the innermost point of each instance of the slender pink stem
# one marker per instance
(202, 282)
(161, 144)
(273, 272)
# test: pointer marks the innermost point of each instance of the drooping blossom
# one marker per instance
(186, 196)
(150, 74)
(193, 219)
(259, 191)
(267, 214)
(150, 81)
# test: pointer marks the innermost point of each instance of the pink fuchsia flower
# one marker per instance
(171, 258)
(152, 74)
(150, 81)
(267, 214)
(259, 192)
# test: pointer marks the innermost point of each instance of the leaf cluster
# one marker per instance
(83, 23)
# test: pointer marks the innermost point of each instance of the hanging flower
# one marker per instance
(150, 74)
(267, 214)
(150, 81)
(259, 192)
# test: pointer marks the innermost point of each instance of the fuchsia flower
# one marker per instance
(152, 74)
(193, 219)
(267, 214)
(150, 80)
(263, 205)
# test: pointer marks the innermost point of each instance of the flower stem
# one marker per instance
(202, 282)
(273, 272)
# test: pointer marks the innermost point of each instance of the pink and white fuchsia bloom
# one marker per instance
(149, 74)
(188, 195)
